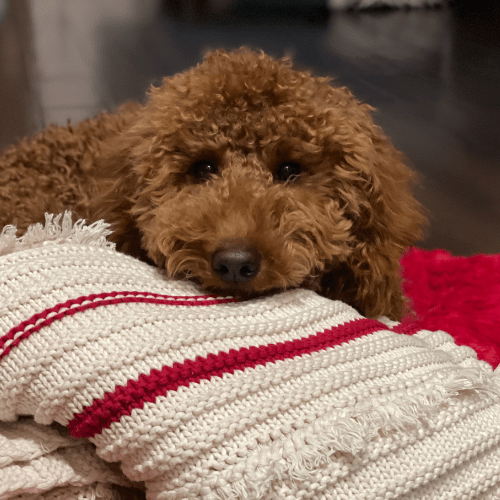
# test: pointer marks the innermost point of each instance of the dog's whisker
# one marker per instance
(183, 266)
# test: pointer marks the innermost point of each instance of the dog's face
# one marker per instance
(248, 177)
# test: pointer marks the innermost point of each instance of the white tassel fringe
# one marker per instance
(346, 432)
(55, 230)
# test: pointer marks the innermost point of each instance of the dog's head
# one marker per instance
(247, 177)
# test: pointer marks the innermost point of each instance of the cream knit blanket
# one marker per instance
(288, 397)
(41, 462)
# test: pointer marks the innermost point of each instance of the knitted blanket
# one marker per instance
(285, 397)
(38, 461)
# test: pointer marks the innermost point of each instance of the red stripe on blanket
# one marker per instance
(406, 328)
(22, 331)
(114, 405)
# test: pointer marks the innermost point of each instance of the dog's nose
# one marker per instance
(237, 263)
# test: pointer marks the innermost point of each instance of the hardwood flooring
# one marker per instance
(432, 74)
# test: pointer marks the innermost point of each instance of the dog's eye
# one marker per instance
(287, 171)
(203, 170)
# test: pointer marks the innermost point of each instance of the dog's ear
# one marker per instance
(117, 183)
(386, 218)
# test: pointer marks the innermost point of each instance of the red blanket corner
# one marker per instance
(460, 295)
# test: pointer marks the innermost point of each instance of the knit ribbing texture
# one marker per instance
(40, 462)
(292, 396)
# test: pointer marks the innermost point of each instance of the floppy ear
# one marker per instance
(386, 218)
(117, 184)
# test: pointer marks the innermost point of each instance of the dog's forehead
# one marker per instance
(247, 99)
(241, 80)
(246, 74)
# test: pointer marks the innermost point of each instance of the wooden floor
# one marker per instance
(433, 75)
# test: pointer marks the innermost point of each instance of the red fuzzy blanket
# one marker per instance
(460, 295)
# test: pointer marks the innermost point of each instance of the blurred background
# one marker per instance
(432, 73)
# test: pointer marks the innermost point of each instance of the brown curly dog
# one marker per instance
(243, 175)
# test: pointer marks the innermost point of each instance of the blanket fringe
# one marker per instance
(342, 436)
(57, 229)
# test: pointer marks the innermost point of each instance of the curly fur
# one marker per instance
(339, 227)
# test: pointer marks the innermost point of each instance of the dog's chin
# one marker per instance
(242, 294)
(240, 291)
